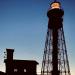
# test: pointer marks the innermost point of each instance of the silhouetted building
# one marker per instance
(19, 67)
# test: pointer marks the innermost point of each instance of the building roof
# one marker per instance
(26, 61)
(23, 61)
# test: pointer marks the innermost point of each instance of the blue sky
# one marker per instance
(23, 26)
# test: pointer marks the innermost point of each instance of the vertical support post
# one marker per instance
(55, 52)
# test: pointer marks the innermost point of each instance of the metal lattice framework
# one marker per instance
(55, 58)
(63, 63)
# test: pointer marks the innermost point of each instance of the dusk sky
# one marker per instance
(23, 27)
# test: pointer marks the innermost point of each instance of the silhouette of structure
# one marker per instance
(19, 67)
(55, 59)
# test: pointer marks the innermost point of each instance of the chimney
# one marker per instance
(9, 61)
(9, 54)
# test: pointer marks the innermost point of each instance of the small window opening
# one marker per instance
(15, 70)
(24, 70)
